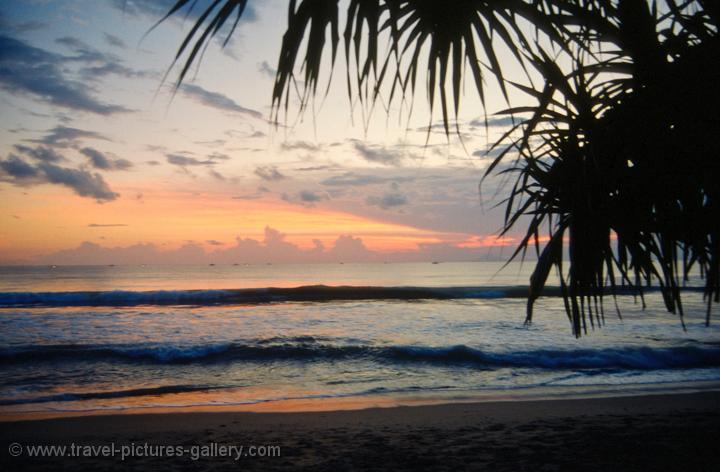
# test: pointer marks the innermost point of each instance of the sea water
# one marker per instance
(119, 337)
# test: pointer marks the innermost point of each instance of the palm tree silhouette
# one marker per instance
(615, 163)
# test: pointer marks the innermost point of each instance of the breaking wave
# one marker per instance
(641, 358)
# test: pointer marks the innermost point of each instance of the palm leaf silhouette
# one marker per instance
(616, 155)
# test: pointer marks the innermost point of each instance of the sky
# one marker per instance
(103, 161)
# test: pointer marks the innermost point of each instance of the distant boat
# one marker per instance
(111, 265)
(53, 266)
(211, 264)
(436, 262)
(236, 264)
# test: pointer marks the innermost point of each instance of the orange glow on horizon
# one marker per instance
(57, 220)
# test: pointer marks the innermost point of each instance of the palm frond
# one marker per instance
(615, 153)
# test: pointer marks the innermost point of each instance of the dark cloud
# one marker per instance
(185, 161)
(304, 145)
(265, 69)
(308, 196)
(269, 173)
(352, 179)
(110, 225)
(18, 169)
(40, 153)
(217, 100)
(316, 168)
(387, 200)
(101, 161)
(97, 159)
(379, 155)
(64, 136)
(28, 70)
(82, 182)
(114, 41)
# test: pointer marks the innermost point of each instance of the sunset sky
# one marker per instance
(100, 162)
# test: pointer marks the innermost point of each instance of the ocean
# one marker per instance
(125, 338)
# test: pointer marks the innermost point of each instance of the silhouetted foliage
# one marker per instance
(616, 156)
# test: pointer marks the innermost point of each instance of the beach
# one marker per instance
(652, 432)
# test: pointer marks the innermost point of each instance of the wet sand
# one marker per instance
(656, 432)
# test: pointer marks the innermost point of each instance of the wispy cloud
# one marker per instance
(267, 70)
(185, 161)
(495, 121)
(388, 200)
(352, 179)
(306, 198)
(20, 27)
(269, 173)
(98, 64)
(379, 155)
(64, 136)
(303, 145)
(114, 41)
(156, 9)
(217, 100)
(316, 168)
(32, 71)
(104, 162)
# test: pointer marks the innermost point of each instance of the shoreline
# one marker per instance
(382, 401)
(650, 432)
(491, 408)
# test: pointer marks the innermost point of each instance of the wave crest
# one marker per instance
(642, 358)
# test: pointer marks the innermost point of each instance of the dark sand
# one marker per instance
(678, 432)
